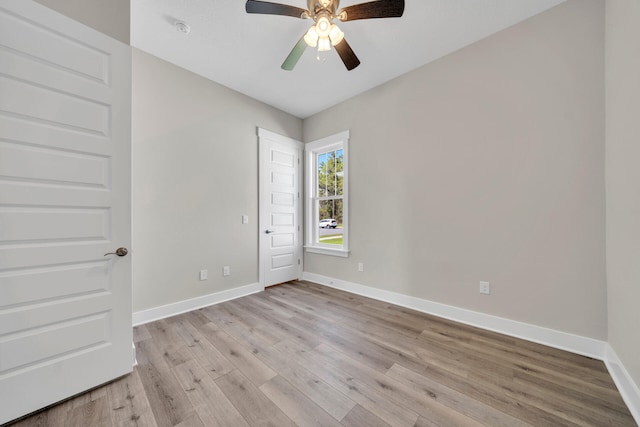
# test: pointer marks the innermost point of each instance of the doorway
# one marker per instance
(280, 216)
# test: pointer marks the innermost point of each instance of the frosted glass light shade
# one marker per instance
(336, 35)
(324, 44)
(311, 38)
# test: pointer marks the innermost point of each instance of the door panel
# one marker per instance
(280, 216)
(65, 308)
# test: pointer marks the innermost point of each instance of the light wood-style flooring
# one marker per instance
(303, 354)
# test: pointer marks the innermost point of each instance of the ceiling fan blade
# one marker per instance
(293, 58)
(267, 8)
(372, 9)
(347, 55)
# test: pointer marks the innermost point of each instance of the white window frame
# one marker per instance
(312, 150)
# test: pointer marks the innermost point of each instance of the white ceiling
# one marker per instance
(244, 52)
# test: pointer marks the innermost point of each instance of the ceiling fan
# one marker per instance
(324, 33)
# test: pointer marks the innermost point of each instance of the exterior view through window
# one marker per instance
(330, 193)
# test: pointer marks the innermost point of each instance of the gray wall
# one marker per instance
(111, 17)
(623, 180)
(195, 173)
(486, 165)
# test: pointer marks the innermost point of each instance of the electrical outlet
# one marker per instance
(204, 274)
(485, 288)
(226, 270)
(361, 266)
(245, 219)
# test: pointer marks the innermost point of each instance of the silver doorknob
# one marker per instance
(119, 252)
(269, 231)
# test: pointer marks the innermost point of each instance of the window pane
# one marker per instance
(330, 173)
(339, 172)
(322, 175)
(330, 231)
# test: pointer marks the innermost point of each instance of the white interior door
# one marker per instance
(65, 309)
(280, 213)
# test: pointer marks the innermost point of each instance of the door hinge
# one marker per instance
(298, 261)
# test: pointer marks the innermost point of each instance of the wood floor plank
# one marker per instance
(328, 398)
(254, 406)
(357, 346)
(453, 399)
(128, 402)
(167, 398)
(240, 356)
(214, 362)
(210, 403)
(222, 320)
(492, 395)
(482, 358)
(140, 333)
(423, 401)
(296, 405)
(343, 381)
(526, 358)
(192, 421)
(582, 398)
(277, 312)
(93, 413)
(166, 342)
(280, 330)
(360, 417)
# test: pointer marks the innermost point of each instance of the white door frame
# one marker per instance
(263, 178)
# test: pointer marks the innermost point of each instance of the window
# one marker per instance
(327, 220)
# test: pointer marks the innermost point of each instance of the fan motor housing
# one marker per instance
(316, 6)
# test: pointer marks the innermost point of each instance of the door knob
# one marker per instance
(119, 252)
(268, 231)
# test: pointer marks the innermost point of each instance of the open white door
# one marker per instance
(65, 126)
(280, 213)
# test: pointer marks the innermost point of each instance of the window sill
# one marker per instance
(327, 251)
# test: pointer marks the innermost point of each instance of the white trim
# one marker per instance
(333, 142)
(626, 386)
(164, 311)
(267, 134)
(562, 340)
(327, 251)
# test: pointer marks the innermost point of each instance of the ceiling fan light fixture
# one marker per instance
(311, 38)
(336, 35)
(324, 44)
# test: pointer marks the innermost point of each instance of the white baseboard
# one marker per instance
(627, 387)
(164, 311)
(562, 340)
